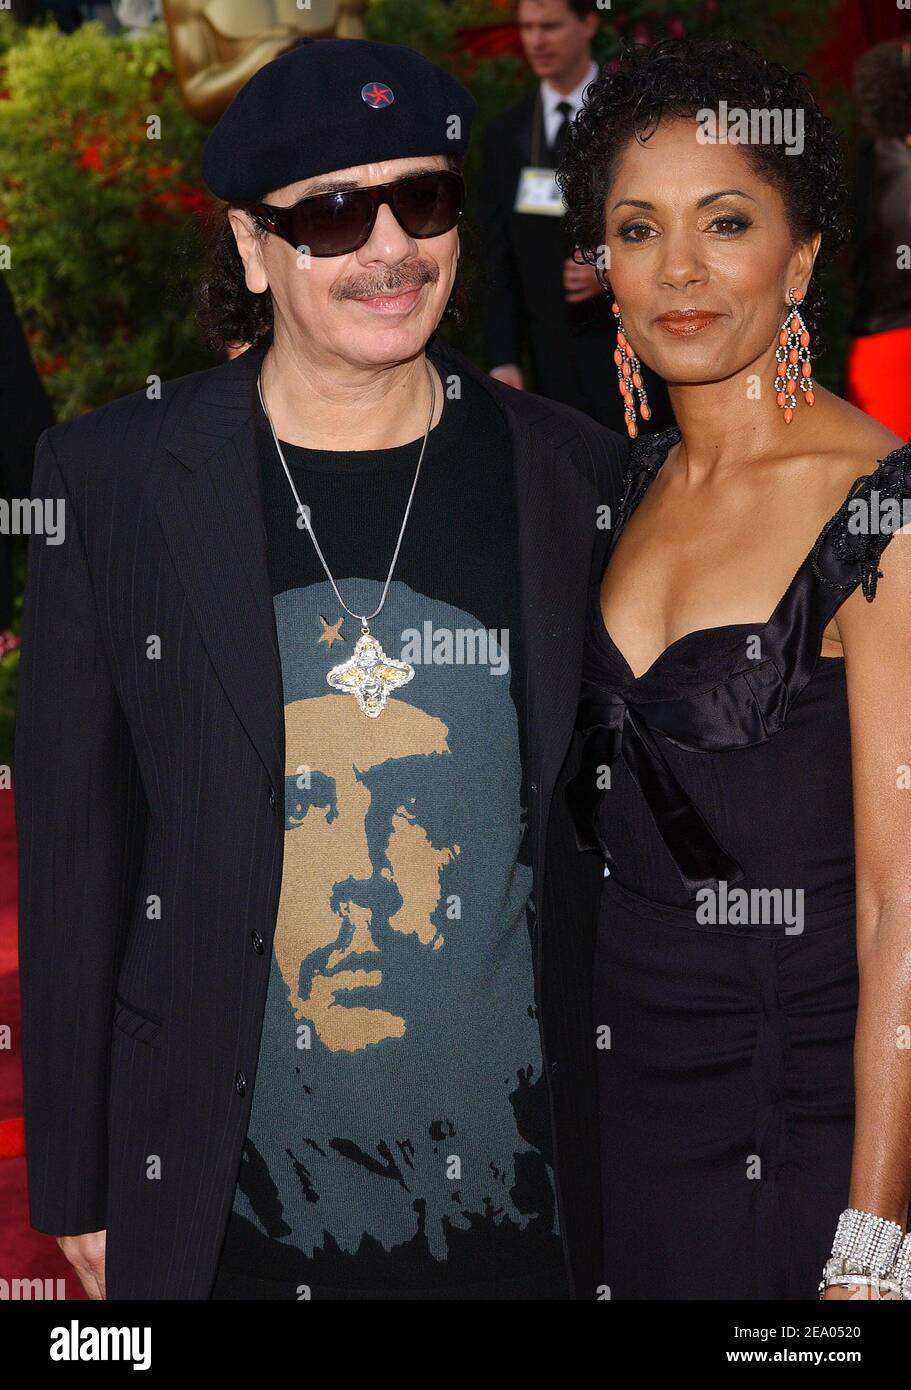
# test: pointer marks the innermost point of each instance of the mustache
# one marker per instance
(393, 280)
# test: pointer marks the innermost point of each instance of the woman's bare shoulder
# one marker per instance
(855, 442)
(843, 446)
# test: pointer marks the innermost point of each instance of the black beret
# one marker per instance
(330, 104)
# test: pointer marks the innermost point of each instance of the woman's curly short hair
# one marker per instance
(677, 78)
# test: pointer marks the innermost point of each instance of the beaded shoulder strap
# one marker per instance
(851, 543)
(646, 455)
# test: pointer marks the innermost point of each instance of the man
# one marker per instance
(297, 704)
(538, 297)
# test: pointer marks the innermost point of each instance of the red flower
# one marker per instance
(185, 197)
(194, 200)
(8, 643)
(49, 365)
(90, 157)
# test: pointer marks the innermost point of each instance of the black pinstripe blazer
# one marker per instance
(149, 799)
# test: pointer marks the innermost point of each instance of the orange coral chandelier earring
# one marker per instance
(629, 378)
(793, 358)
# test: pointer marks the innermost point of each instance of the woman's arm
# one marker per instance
(877, 645)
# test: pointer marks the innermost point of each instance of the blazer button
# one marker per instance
(257, 942)
(272, 797)
(240, 1083)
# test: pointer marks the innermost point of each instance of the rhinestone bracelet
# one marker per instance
(869, 1251)
(883, 1286)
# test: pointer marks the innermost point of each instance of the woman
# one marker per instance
(750, 637)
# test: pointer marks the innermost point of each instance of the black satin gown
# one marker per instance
(725, 1047)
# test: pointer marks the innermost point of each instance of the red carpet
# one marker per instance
(24, 1254)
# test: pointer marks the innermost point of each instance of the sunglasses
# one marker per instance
(333, 224)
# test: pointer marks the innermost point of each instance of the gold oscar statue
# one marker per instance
(218, 45)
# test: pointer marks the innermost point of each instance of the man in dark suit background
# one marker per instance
(537, 297)
(24, 412)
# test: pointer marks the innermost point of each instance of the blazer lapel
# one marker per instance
(210, 510)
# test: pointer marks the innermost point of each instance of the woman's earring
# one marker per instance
(793, 356)
(629, 378)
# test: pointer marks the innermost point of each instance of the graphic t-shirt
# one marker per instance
(399, 1138)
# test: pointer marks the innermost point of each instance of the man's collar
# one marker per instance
(551, 97)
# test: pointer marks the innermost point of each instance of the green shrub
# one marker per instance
(98, 217)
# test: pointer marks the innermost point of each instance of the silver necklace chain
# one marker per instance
(363, 618)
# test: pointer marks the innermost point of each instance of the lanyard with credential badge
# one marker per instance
(538, 192)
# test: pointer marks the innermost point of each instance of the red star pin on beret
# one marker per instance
(377, 94)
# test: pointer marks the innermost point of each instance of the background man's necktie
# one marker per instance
(565, 109)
